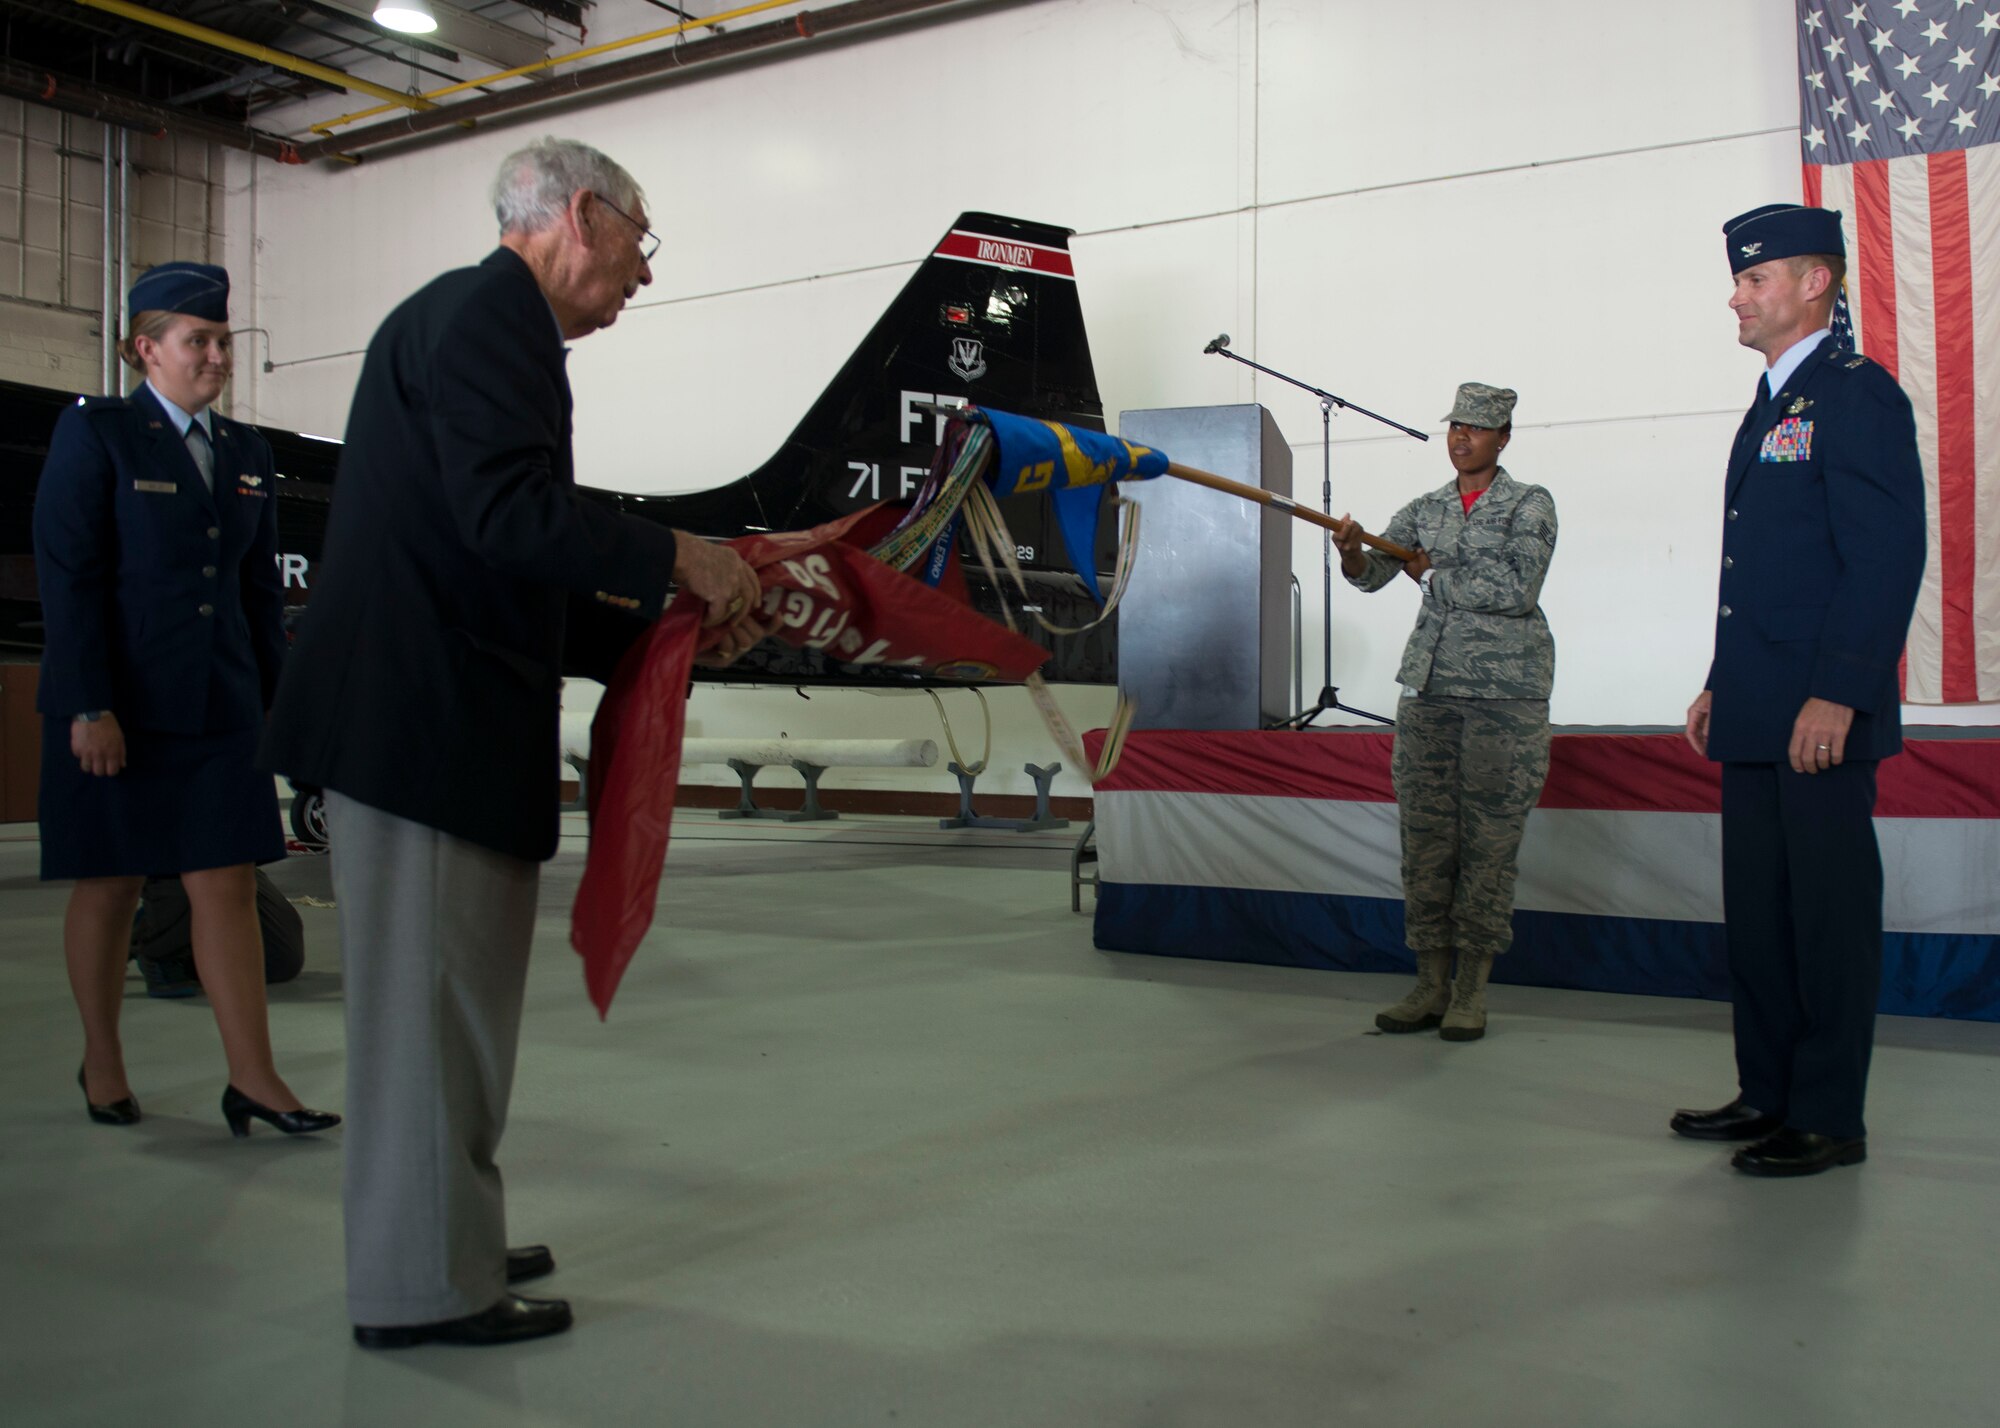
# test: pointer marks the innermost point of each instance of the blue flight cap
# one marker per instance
(197, 289)
(1781, 230)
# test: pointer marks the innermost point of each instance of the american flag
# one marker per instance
(1900, 107)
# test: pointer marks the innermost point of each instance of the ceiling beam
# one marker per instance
(249, 50)
(462, 30)
(75, 96)
(661, 65)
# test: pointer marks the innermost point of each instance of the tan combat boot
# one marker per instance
(1425, 1004)
(1465, 1020)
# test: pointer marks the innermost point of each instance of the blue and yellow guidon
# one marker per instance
(1039, 455)
(1075, 466)
(1789, 440)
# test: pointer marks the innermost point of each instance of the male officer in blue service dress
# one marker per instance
(423, 696)
(1822, 553)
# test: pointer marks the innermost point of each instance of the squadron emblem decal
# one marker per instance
(968, 358)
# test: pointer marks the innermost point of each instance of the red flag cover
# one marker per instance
(819, 593)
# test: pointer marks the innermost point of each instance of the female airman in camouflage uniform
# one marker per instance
(1472, 733)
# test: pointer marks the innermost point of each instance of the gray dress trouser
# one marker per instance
(434, 937)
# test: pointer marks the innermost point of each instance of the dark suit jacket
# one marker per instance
(162, 600)
(1822, 554)
(427, 674)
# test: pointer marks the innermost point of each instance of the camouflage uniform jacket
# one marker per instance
(1480, 633)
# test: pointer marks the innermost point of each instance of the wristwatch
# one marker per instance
(1424, 582)
(91, 716)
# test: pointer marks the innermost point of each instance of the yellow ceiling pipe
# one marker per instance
(251, 50)
(327, 126)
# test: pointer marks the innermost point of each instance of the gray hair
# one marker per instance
(535, 184)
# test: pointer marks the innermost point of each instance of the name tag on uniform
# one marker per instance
(1789, 440)
(157, 488)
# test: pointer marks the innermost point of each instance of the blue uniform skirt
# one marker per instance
(184, 802)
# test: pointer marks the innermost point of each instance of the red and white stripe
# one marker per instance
(1923, 243)
(1627, 826)
(965, 246)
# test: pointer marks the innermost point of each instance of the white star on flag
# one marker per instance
(1907, 8)
(1989, 22)
(1907, 66)
(1857, 14)
(1859, 133)
(1963, 120)
(1883, 40)
(1837, 47)
(1936, 94)
(1990, 85)
(1911, 127)
(1838, 109)
(1883, 101)
(1935, 32)
(1816, 80)
(1962, 61)
(1816, 137)
(1813, 19)
(1859, 75)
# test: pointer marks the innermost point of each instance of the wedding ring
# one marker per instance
(1825, 748)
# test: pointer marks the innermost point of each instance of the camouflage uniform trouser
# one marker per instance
(1466, 772)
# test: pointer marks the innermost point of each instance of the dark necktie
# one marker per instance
(204, 456)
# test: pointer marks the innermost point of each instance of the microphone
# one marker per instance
(1221, 341)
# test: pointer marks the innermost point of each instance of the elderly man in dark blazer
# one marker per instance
(424, 697)
(1822, 554)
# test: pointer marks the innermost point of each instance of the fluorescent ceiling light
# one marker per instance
(411, 17)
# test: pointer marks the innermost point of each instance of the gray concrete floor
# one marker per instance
(875, 1136)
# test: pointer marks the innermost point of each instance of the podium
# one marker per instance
(1204, 631)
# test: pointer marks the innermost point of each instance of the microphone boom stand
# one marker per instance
(1329, 696)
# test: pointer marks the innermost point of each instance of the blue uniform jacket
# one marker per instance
(427, 681)
(162, 602)
(1822, 555)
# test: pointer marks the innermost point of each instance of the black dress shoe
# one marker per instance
(1797, 1152)
(118, 1113)
(507, 1322)
(238, 1108)
(529, 1262)
(1734, 1121)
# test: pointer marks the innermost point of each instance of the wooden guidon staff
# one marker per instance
(1282, 503)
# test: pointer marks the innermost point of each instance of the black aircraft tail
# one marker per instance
(991, 317)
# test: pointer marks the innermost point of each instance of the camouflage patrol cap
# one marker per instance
(1481, 405)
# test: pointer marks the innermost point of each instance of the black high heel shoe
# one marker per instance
(118, 1113)
(238, 1108)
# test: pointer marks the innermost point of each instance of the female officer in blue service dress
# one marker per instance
(155, 548)
(1472, 728)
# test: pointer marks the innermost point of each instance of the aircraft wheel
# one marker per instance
(309, 818)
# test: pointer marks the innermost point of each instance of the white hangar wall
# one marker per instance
(1386, 200)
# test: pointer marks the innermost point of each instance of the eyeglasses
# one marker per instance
(649, 241)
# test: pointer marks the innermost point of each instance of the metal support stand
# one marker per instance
(1329, 696)
(746, 806)
(1042, 820)
(582, 767)
(1084, 852)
